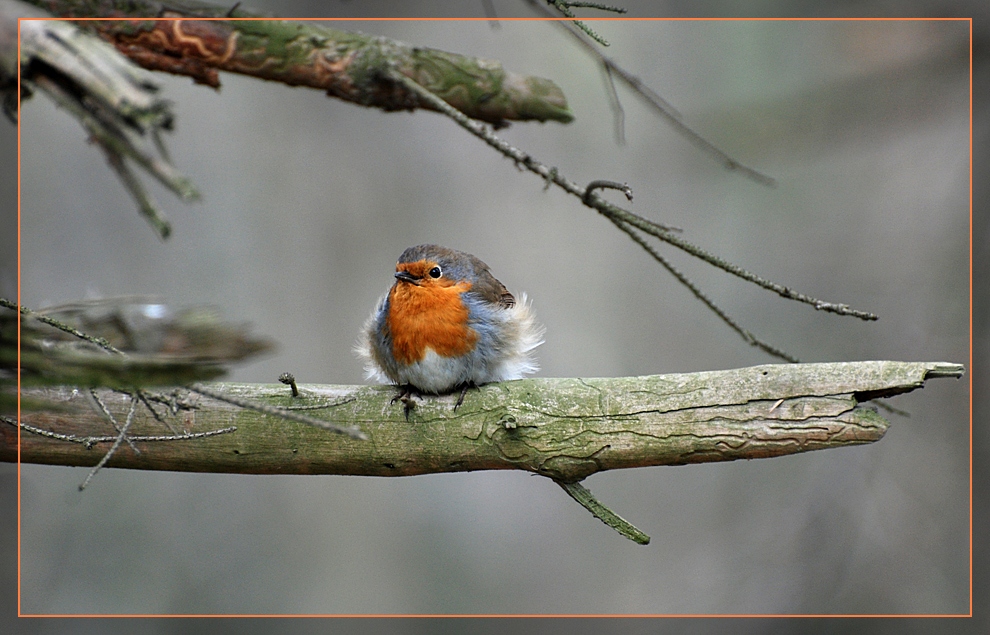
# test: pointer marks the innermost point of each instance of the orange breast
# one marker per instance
(434, 317)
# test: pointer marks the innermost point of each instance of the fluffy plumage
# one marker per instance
(447, 322)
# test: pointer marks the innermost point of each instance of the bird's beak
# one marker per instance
(405, 276)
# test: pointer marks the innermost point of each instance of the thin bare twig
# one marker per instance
(112, 100)
(747, 337)
(617, 109)
(565, 10)
(660, 105)
(146, 204)
(351, 431)
(290, 380)
(615, 213)
(121, 435)
(41, 317)
(586, 499)
(95, 400)
(89, 442)
(602, 184)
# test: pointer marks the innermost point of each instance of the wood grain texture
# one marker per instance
(566, 429)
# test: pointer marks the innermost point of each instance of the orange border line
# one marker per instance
(18, 372)
(508, 19)
(498, 615)
(511, 615)
(970, 317)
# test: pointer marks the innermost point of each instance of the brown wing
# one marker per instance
(507, 300)
(488, 287)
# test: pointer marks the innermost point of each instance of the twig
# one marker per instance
(615, 213)
(565, 9)
(121, 435)
(98, 341)
(290, 380)
(587, 500)
(118, 142)
(618, 111)
(602, 184)
(143, 396)
(111, 98)
(172, 401)
(660, 105)
(95, 399)
(146, 204)
(352, 431)
(747, 337)
(90, 441)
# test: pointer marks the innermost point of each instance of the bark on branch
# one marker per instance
(349, 65)
(566, 429)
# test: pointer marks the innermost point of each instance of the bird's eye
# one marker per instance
(435, 272)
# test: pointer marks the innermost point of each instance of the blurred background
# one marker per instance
(308, 202)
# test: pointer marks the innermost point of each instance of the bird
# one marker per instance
(447, 324)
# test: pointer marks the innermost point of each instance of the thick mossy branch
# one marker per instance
(566, 429)
(349, 65)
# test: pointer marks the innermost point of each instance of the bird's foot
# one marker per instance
(407, 395)
(464, 388)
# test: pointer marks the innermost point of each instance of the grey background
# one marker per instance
(308, 202)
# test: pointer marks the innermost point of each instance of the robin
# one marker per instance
(447, 324)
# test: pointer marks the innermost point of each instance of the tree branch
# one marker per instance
(351, 66)
(566, 429)
(112, 99)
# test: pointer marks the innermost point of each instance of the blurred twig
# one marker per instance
(112, 99)
(154, 347)
(565, 10)
(657, 103)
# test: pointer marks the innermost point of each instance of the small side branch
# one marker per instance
(101, 342)
(745, 334)
(587, 500)
(121, 435)
(90, 442)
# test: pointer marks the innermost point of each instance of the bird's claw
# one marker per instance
(464, 388)
(407, 395)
